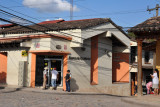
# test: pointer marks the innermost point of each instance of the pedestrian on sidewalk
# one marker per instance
(45, 77)
(54, 78)
(155, 80)
(148, 86)
(68, 78)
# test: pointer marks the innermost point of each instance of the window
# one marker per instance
(133, 54)
(146, 56)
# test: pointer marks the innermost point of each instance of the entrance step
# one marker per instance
(50, 88)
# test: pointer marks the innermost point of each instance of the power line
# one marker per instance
(20, 13)
(87, 8)
(156, 8)
(28, 20)
(137, 11)
(102, 14)
(38, 25)
(24, 14)
(12, 15)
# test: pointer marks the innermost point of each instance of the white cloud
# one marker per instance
(19, 21)
(47, 20)
(52, 6)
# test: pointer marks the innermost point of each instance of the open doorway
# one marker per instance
(51, 62)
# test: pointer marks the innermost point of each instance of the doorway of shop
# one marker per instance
(54, 63)
(51, 62)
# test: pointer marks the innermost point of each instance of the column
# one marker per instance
(158, 55)
(33, 70)
(139, 43)
(94, 60)
(65, 68)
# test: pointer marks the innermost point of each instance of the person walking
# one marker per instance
(44, 77)
(54, 78)
(155, 80)
(68, 78)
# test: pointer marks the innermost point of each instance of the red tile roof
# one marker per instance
(57, 25)
(6, 25)
(151, 24)
(51, 22)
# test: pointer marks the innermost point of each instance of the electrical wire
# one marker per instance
(27, 20)
(55, 17)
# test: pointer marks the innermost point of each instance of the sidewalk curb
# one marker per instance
(14, 89)
(133, 101)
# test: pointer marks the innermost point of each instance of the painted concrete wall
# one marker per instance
(87, 33)
(40, 44)
(104, 61)
(80, 69)
(120, 67)
(13, 66)
(50, 44)
(13, 58)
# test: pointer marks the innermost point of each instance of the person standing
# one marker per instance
(44, 77)
(54, 78)
(68, 78)
(155, 80)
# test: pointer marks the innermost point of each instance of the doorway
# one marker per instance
(54, 63)
(51, 62)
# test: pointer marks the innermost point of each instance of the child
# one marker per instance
(148, 86)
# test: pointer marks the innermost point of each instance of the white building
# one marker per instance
(95, 50)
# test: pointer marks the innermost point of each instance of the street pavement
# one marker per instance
(36, 97)
(145, 100)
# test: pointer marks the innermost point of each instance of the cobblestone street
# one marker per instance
(50, 98)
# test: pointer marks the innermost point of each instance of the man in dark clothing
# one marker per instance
(68, 77)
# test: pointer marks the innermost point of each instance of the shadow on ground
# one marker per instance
(11, 90)
(2, 87)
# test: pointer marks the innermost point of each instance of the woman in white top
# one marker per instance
(155, 81)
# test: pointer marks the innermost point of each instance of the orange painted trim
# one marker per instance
(49, 51)
(3, 67)
(37, 36)
(33, 65)
(33, 70)
(120, 67)
(65, 68)
(94, 60)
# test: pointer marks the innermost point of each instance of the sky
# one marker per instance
(125, 13)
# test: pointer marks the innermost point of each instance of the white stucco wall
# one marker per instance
(80, 70)
(13, 58)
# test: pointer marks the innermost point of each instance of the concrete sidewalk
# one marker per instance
(146, 100)
(8, 89)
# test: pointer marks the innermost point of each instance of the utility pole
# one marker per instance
(156, 8)
(71, 10)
